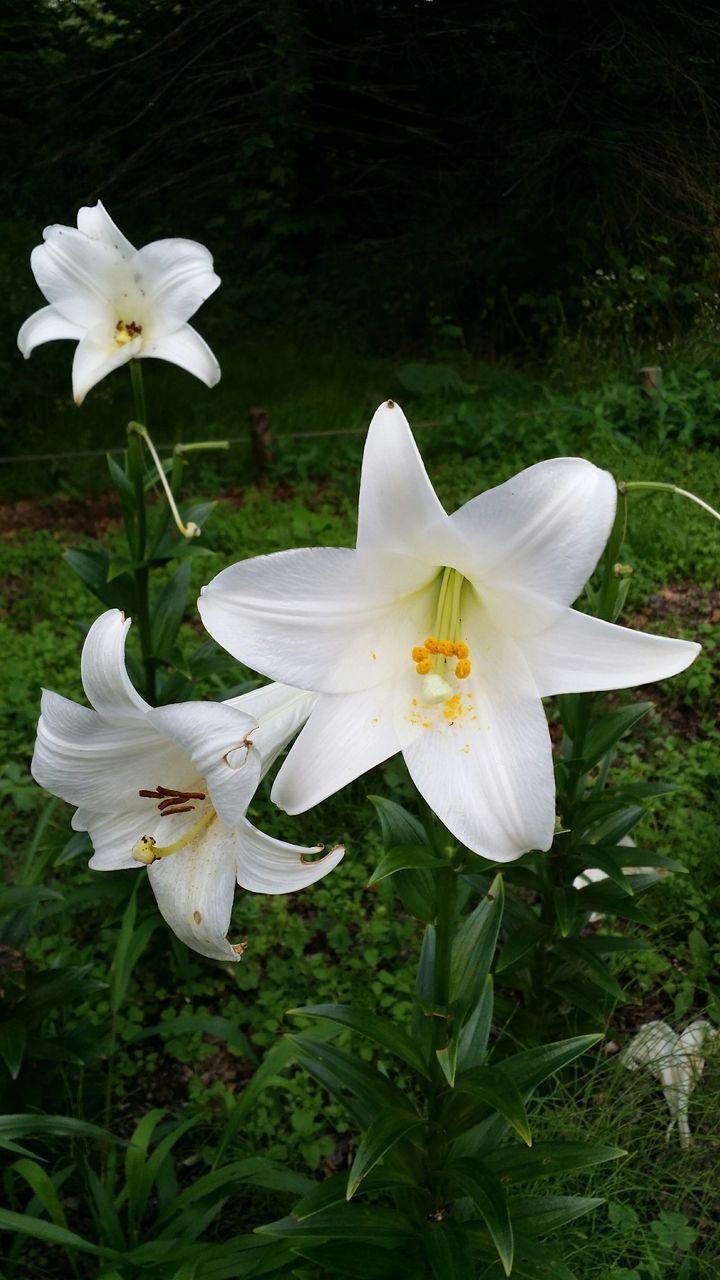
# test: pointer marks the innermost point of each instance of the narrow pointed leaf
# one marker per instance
(385, 1131)
(380, 1030)
(515, 1164)
(448, 1251)
(44, 1189)
(492, 1086)
(405, 857)
(397, 825)
(519, 943)
(478, 1182)
(603, 736)
(341, 1073)
(473, 1039)
(41, 1229)
(474, 947)
(348, 1222)
(539, 1214)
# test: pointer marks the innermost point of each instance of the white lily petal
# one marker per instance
(187, 349)
(95, 221)
(280, 711)
(96, 356)
(176, 277)
(397, 501)
(346, 735)
(194, 889)
(46, 325)
(322, 618)
(266, 865)
(104, 674)
(210, 732)
(89, 762)
(76, 274)
(484, 762)
(114, 836)
(580, 653)
(542, 531)
(653, 1046)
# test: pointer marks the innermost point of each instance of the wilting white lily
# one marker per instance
(438, 636)
(169, 787)
(675, 1060)
(117, 302)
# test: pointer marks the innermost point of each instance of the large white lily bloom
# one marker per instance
(676, 1061)
(118, 302)
(490, 587)
(170, 786)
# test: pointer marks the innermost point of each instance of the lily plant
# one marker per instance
(168, 787)
(438, 636)
(120, 303)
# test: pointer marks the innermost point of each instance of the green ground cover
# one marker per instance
(109, 1060)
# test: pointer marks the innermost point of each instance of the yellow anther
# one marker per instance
(424, 667)
(446, 648)
(419, 653)
(461, 649)
(463, 669)
(431, 644)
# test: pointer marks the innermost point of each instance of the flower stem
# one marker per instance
(625, 486)
(189, 530)
(141, 574)
(138, 386)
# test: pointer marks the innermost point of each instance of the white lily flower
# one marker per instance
(170, 786)
(676, 1061)
(118, 302)
(438, 636)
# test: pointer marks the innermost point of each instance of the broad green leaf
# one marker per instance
(386, 1130)
(30, 1126)
(336, 1259)
(333, 1190)
(524, 939)
(92, 566)
(515, 1164)
(620, 824)
(474, 1035)
(342, 1073)
(380, 1030)
(136, 1159)
(150, 1172)
(625, 855)
(41, 1229)
(13, 1039)
(539, 1214)
(447, 1058)
(43, 1187)
(405, 857)
(397, 825)
(104, 1210)
(254, 1170)
(26, 895)
(474, 946)
(478, 1182)
(208, 1023)
(607, 943)
(168, 609)
(492, 1086)
(604, 734)
(533, 1261)
(596, 970)
(448, 1251)
(346, 1222)
(566, 909)
(604, 861)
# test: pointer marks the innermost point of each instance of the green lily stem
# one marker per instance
(141, 574)
(626, 486)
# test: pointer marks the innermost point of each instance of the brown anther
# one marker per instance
(183, 808)
(172, 801)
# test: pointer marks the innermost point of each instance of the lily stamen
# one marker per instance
(172, 801)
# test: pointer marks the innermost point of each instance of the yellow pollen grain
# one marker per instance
(463, 669)
(461, 649)
(419, 653)
(424, 668)
(431, 644)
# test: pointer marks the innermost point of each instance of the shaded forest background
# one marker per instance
(388, 166)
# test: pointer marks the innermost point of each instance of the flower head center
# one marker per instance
(125, 331)
(171, 801)
(434, 658)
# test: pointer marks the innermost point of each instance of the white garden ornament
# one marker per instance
(117, 302)
(676, 1061)
(438, 636)
(169, 787)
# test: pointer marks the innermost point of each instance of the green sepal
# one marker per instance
(473, 947)
(386, 1130)
(515, 1164)
(378, 1029)
(478, 1182)
(405, 857)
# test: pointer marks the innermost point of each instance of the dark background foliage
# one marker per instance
(391, 161)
